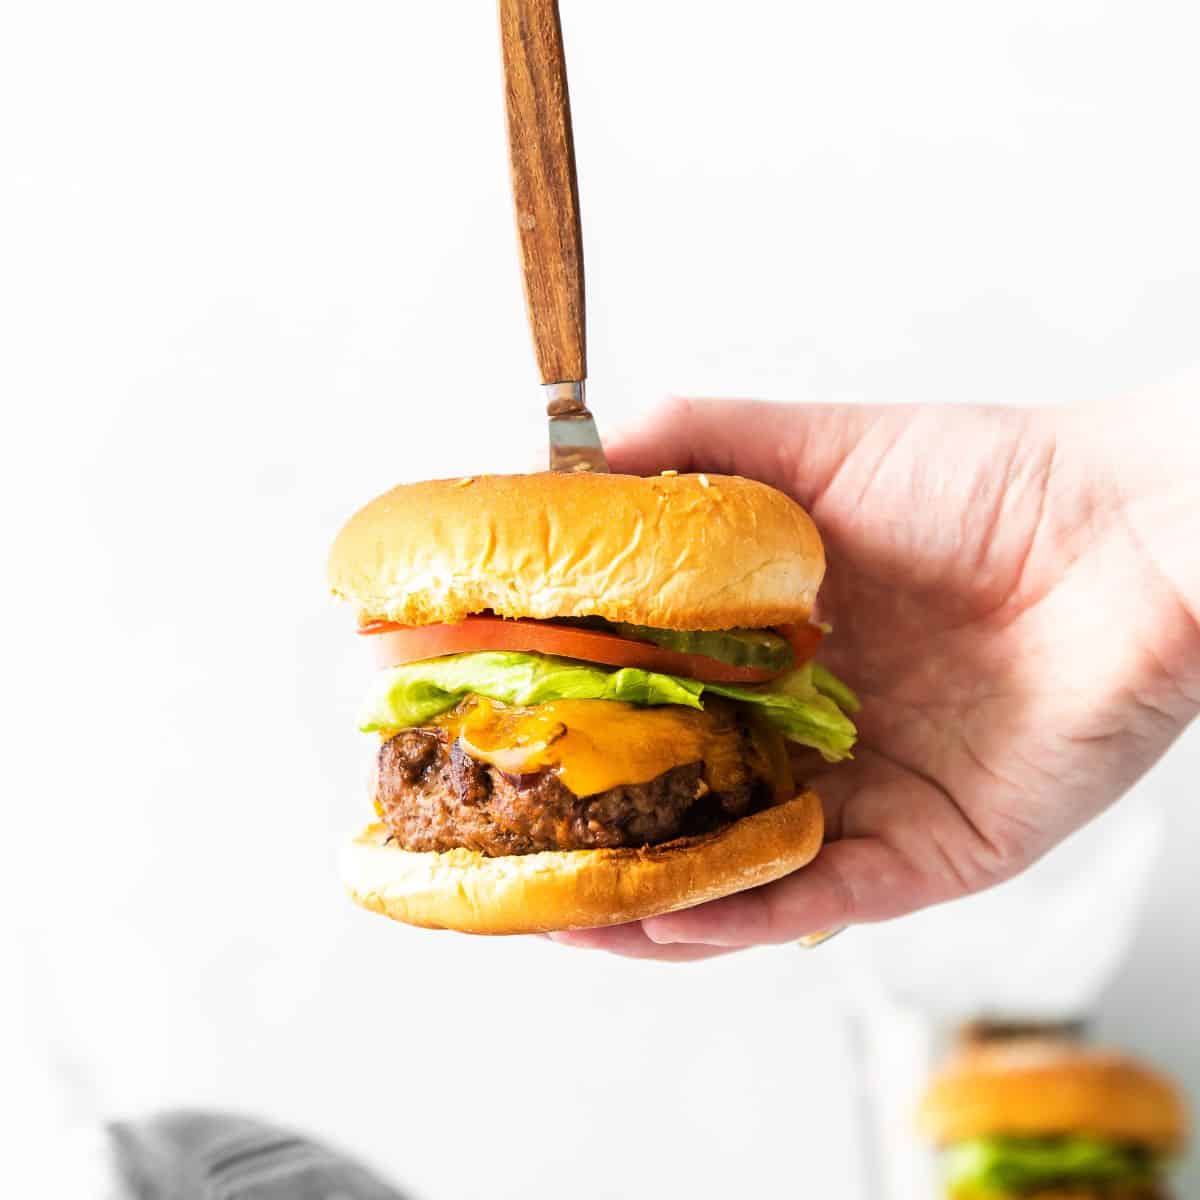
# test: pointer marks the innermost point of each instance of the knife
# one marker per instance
(546, 195)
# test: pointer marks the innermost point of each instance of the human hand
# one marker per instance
(1015, 596)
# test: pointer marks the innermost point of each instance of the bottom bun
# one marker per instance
(578, 889)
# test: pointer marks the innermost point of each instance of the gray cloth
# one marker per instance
(219, 1156)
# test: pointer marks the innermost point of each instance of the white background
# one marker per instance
(258, 264)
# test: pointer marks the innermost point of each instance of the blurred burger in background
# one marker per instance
(1048, 1118)
(588, 686)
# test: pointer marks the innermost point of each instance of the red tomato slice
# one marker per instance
(396, 644)
(803, 638)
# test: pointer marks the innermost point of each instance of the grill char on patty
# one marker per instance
(433, 796)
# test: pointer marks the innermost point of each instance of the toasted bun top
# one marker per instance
(578, 889)
(1044, 1088)
(672, 551)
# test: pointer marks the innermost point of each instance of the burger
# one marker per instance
(1052, 1120)
(587, 691)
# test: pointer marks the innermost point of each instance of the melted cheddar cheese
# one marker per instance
(594, 745)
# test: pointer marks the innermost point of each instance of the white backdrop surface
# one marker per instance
(258, 265)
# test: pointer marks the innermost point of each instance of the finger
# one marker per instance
(851, 881)
(796, 447)
(630, 941)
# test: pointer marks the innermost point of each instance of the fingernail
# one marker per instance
(658, 930)
(810, 941)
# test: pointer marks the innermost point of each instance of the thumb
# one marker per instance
(798, 448)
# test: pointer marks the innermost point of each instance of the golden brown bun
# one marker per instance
(1043, 1088)
(673, 551)
(578, 889)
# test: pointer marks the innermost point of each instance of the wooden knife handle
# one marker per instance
(542, 154)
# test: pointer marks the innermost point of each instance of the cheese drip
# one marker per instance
(594, 745)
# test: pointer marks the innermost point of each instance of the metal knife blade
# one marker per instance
(574, 440)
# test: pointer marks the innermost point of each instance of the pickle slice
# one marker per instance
(738, 647)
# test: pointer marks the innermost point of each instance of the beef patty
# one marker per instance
(433, 796)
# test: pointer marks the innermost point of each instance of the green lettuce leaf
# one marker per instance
(803, 704)
(831, 686)
(1006, 1164)
(798, 705)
